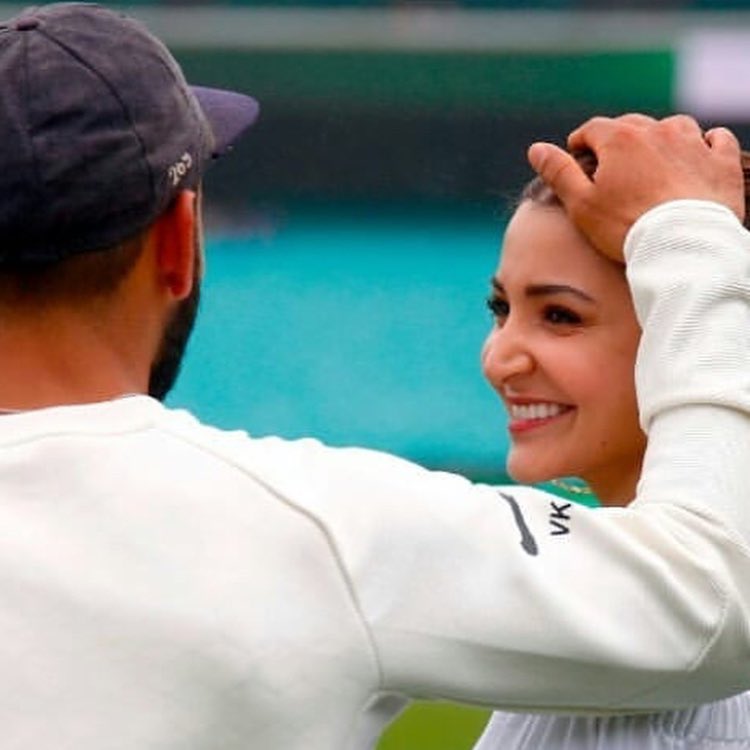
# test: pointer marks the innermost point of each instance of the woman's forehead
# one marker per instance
(541, 241)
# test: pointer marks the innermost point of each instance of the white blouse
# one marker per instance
(724, 725)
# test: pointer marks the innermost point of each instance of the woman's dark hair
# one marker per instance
(539, 192)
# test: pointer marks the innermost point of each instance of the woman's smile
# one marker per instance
(530, 415)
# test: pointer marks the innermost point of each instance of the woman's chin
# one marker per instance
(523, 473)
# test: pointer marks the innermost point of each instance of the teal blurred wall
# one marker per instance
(355, 327)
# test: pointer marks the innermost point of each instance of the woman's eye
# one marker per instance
(498, 307)
(561, 316)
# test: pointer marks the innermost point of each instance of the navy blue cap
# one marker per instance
(99, 130)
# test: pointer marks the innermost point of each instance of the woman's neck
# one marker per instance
(616, 486)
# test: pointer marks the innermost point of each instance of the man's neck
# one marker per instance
(57, 361)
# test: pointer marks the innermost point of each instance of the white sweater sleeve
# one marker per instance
(688, 264)
(689, 271)
(513, 598)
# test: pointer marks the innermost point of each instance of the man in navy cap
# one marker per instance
(164, 584)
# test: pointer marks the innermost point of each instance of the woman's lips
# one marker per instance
(530, 415)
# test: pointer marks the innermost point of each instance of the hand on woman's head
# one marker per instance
(642, 162)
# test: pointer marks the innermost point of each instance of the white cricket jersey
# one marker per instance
(165, 584)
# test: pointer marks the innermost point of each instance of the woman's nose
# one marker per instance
(505, 355)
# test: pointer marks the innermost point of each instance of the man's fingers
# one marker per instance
(724, 145)
(584, 137)
(637, 119)
(723, 141)
(682, 124)
(560, 171)
(588, 136)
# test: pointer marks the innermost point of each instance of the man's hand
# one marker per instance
(642, 162)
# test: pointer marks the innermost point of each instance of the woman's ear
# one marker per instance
(174, 235)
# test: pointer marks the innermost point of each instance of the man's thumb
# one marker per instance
(559, 170)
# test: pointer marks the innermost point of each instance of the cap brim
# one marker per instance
(228, 113)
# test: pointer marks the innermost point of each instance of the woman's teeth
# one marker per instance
(534, 411)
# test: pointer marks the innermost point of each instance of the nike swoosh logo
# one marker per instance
(527, 538)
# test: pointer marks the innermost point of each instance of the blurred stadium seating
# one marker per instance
(606, 5)
(435, 102)
(369, 100)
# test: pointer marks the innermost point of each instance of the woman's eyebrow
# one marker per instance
(539, 290)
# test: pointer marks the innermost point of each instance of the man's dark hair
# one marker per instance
(79, 278)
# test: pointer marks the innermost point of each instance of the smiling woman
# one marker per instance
(561, 355)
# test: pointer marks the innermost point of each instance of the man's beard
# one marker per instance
(166, 366)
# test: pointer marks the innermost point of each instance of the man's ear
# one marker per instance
(174, 237)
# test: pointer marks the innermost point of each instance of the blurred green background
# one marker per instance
(352, 235)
